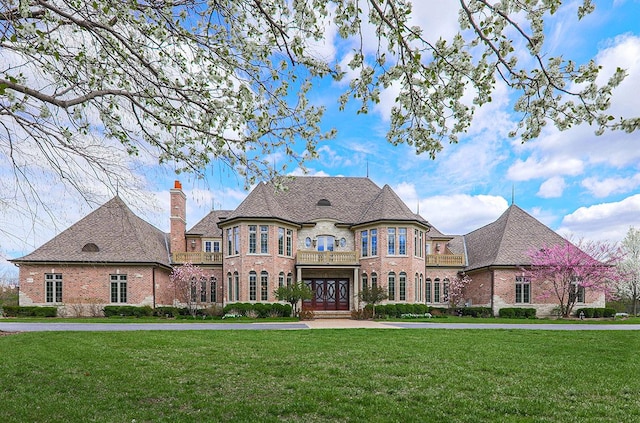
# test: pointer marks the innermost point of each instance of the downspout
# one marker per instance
(492, 290)
(153, 281)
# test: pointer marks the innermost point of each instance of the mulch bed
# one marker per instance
(3, 333)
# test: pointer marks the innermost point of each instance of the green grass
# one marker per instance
(321, 375)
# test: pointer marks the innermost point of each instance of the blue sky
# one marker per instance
(573, 181)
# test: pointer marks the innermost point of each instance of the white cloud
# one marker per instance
(601, 188)
(552, 188)
(461, 214)
(534, 167)
(606, 221)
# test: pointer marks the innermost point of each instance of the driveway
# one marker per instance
(312, 324)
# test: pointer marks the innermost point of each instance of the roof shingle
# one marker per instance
(508, 240)
(120, 237)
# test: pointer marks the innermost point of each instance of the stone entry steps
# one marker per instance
(332, 314)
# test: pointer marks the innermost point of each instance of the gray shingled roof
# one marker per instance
(120, 235)
(352, 201)
(208, 225)
(507, 241)
(388, 206)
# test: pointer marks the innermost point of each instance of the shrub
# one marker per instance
(517, 313)
(258, 310)
(306, 314)
(483, 312)
(166, 311)
(30, 311)
(507, 313)
(596, 312)
(128, 311)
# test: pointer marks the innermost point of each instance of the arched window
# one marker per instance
(281, 280)
(236, 290)
(403, 287)
(264, 285)
(374, 279)
(436, 291)
(392, 286)
(427, 290)
(365, 281)
(229, 287)
(253, 286)
(214, 289)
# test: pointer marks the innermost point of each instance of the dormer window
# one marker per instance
(90, 248)
(324, 202)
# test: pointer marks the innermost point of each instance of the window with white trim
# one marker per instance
(252, 238)
(577, 290)
(253, 286)
(53, 287)
(392, 286)
(118, 288)
(264, 286)
(374, 242)
(523, 290)
(402, 286)
(364, 236)
(264, 239)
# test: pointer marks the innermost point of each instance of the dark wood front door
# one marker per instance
(328, 294)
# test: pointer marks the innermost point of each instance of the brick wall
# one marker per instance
(90, 283)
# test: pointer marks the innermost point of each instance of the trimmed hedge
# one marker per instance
(30, 311)
(128, 311)
(517, 313)
(483, 312)
(397, 310)
(261, 309)
(596, 312)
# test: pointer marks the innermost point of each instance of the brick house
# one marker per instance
(335, 234)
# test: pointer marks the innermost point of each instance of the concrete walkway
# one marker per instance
(311, 324)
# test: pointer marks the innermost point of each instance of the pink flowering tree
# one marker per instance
(456, 290)
(188, 282)
(568, 272)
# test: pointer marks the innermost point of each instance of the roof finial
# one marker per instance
(418, 212)
(513, 194)
(367, 168)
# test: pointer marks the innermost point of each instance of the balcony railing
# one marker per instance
(445, 260)
(197, 257)
(327, 257)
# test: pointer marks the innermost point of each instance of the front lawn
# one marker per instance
(321, 375)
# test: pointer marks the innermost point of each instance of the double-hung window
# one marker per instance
(365, 243)
(391, 241)
(264, 239)
(392, 286)
(253, 286)
(523, 289)
(264, 286)
(577, 290)
(53, 287)
(118, 288)
(252, 239)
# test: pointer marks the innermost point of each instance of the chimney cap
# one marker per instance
(177, 185)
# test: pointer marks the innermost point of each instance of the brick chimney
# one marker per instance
(178, 218)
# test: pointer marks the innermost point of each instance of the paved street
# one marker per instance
(313, 324)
